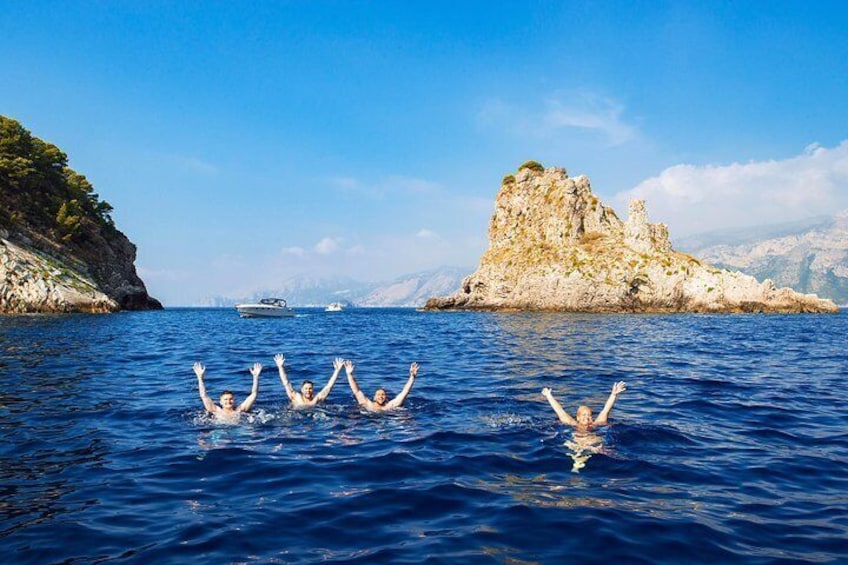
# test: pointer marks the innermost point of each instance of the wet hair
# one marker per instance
(307, 382)
(227, 392)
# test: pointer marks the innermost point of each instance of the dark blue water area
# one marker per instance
(730, 444)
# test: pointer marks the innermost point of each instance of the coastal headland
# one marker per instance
(554, 246)
(59, 248)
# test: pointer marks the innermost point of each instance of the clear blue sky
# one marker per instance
(244, 142)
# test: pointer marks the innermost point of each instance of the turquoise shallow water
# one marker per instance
(730, 444)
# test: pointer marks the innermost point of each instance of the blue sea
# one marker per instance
(730, 444)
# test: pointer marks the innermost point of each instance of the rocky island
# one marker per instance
(59, 248)
(553, 246)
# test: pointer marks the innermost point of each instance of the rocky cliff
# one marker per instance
(553, 246)
(59, 249)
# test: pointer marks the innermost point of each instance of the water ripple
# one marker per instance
(729, 446)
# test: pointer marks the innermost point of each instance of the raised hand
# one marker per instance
(413, 370)
(546, 392)
(348, 365)
(279, 359)
(199, 370)
(256, 369)
(338, 363)
(619, 387)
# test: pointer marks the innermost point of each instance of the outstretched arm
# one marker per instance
(398, 400)
(617, 389)
(200, 371)
(564, 417)
(248, 402)
(280, 360)
(357, 393)
(338, 363)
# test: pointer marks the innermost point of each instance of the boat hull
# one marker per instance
(262, 311)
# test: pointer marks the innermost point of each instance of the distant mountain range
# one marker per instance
(411, 290)
(810, 256)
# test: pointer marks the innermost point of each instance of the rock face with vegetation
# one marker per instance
(59, 248)
(553, 246)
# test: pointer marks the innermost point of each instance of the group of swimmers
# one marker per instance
(306, 397)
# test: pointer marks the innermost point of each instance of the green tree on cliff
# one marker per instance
(39, 192)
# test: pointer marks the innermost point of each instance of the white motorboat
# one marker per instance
(334, 307)
(265, 308)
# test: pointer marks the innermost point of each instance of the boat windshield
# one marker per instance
(273, 302)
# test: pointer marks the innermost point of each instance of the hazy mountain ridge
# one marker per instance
(751, 234)
(810, 256)
(410, 290)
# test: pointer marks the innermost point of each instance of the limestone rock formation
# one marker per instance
(59, 248)
(38, 275)
(553, 246)
(35, 282)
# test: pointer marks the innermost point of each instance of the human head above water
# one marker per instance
(307, 390)
(228, 400)
(584, 416)
(380, 396)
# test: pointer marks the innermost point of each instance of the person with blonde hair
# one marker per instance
(583, 421)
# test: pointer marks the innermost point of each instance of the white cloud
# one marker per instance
(388, 186)
(157, 276)
(586, 111)
(327, 245)
(200, 166)
(228, 261)
(411, 185)
(347, 183)
(425, 233)
(590, 112)
(296, 251)
(189, 164)
(692, 198)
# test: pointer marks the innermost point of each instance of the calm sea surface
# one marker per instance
(730, 444)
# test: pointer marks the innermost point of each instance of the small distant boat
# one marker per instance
(266, 308)
(334, 307)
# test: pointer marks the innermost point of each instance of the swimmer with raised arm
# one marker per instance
(584, 422)
(380, 402)
(227, 409)
(307, 398)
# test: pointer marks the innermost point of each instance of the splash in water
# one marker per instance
(582, 446)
